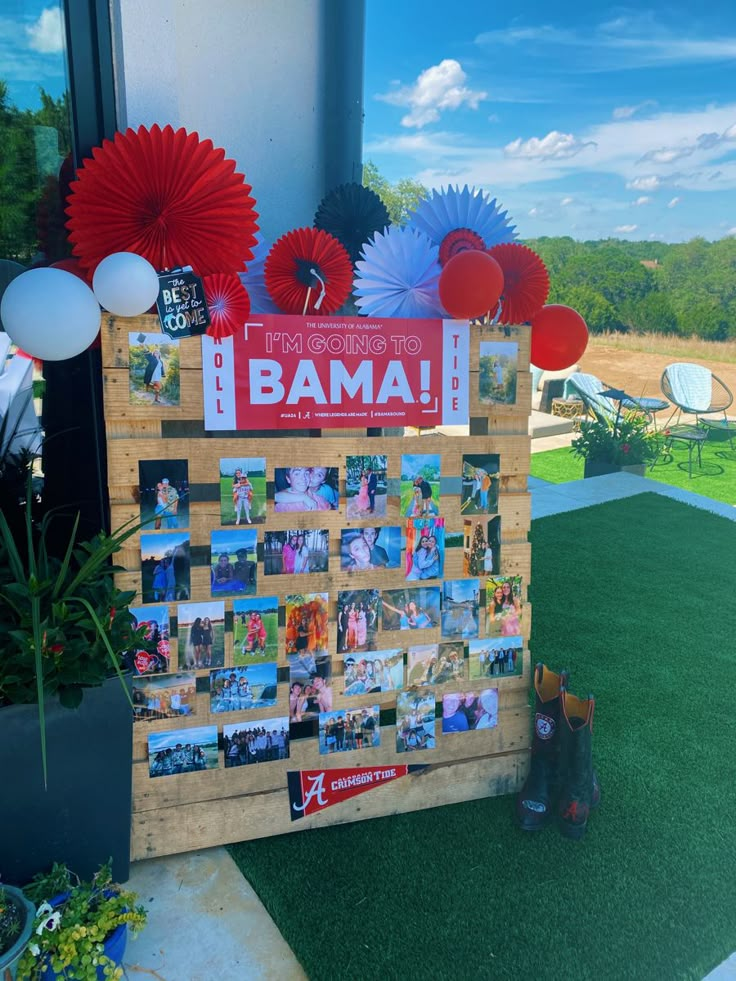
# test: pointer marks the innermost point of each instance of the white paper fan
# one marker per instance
(398, 276)
(452, 208)
(253, 279)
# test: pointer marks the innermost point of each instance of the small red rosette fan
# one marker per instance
(460, 240)
(525, 282)
(228, 303)
(308, 271)
(165, 195)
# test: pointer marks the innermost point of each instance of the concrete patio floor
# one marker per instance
(206, 922)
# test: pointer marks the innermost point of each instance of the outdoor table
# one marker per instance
(648, 405)
(727, 426)
(569, 409)
(691, 435)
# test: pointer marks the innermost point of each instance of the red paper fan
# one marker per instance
(228, 303)
(308, 271)
(459, 240)
(525, 282)
(165, 195)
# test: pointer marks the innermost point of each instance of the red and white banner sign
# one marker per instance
(288, 372)
(314, 790)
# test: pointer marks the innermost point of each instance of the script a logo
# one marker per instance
(315, 791)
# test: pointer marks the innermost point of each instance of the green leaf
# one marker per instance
(70, 696)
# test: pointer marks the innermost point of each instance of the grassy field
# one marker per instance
(271, 623)
(258, 504)
(680, 348)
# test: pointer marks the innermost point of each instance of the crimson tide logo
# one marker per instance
(314, 790)
(544, 726)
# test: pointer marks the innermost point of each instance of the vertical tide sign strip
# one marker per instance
(330, 373)
(314, 790)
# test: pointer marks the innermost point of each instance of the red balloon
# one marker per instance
(470, 284)
(559, 337)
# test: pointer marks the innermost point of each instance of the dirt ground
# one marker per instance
(639, 373)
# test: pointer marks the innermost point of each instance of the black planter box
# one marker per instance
(84, 817)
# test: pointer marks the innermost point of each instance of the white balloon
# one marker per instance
(126, 284)
(50, 314)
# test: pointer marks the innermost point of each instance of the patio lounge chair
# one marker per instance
(588, 388)
(694, 389)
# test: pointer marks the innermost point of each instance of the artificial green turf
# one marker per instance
(636, 598)
(716, 478)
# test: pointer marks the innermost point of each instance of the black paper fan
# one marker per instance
(353, 214)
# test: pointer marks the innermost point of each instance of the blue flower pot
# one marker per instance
(9, 960)
(114, 947)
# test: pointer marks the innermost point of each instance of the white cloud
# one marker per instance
(566, 201)
(674, 202)
(626, 112)
(625, 229)
(642, 200)
(644, 183)
(438, 88)
(553, 146)
(703, 141)
(731, 231)
(46, 35)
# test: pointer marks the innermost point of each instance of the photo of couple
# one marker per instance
(496, 656)
(165, 566)
(242, 490)
(201, 632)
(164, 500)
(305, 489)
(375, 672)
(340, 732)
(151, 654)
(288, 553)
(255, 629)
(482, 549)
(310, 686)
(233, 562)
(370, 548)
(253, 686)
(428, 665)
(411, 608)
(420, 485)
(503, 606)
(467, 711)
(365, 485)
(415, 722)
(358, 612)
(460, 604)
(480, 484)
(425, 548)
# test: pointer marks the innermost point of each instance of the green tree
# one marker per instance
(598, 313)
(650, 314)
(400, 198)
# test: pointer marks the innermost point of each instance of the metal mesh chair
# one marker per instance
(694, 389)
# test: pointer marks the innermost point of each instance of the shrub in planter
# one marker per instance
(16, 924)
(621, 442)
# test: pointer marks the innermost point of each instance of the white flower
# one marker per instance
(44, 909)
(34, 949)
(50, 923)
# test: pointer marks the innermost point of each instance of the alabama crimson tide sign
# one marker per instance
(314, 790)
(289, 372)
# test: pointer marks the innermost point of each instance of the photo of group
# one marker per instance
(480, 483)
(495, 656)
(412, 608)
(370, 548)
(262, 741)
(310, 686)
(358, 611)
(420, 485)
(429, 664)
(255, 629)
(499, 362)
(373, 672)
(365, 486)
(165, 567)
(182, 751)
(233, 562)
(201, 631)
(153, 371)
(425, 548)
(164, 493)
(305, 489)
(503, 606)
(164, 696)
(348, 729)
(307, 624)
(151, 653)
(482, 549)
(286, 553)
(252, 686)
(242, 490)
(466, 711)
(415, 721)
(460, 608)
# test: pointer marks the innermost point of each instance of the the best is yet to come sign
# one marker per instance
(290, 372)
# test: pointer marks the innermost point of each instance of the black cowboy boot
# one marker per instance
(534, 800)
(578, 785)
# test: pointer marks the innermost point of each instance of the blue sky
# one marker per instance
(590, 120)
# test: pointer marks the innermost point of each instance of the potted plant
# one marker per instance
(16, 924)
(623, 443)
(81, 928)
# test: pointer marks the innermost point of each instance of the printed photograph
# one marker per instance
(310, 686)
(233, 562)
(503, 606)
(164, 696)
(182, 751)
(465, 711)
(495, 656)
(348, 729)
(420, 485)
(421, 665)
(255, 629)
(201, 632)
(453, 654)
(164, 493)
(372, 672)
(460, 608)
(415, 722)
(499, 363)
(482, 547)
(366, 486)
(480, 483)
(305, 489)
(358, 613)
(152, 654)
(412, 608)
(261, 741)
(247, 687)
(307, 624)
(153, 371)
(362, 549)
(242, 490)
(165, 563)
(286, 553)
(425, 548)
